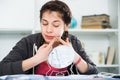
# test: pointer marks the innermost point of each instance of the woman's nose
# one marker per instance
(49, 28)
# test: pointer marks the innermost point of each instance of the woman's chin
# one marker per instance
(47, 41)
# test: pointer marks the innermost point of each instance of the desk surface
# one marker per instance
(40, 77)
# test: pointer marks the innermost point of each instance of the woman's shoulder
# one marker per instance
(33, 35)
(72, 37)
(33, 38)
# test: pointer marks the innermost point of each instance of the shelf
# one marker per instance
(93, 30)
(15, 31)
(90, 30)
(114, 65)
(19, 30)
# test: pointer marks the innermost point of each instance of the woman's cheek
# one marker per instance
(59, 32)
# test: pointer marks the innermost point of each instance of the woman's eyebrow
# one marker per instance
(56, 21)
(53, 21)
(43, 20)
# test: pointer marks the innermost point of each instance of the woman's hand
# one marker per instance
(66, 42)
(78, 61)
(69, 44)
(41, 55)
(44, 51)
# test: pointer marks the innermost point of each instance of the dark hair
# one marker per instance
(60, 7)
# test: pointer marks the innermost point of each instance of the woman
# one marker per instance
(55, 18)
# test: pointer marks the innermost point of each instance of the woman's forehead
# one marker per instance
(51, 16)
(52, 13)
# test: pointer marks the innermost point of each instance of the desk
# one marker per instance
(40, 77)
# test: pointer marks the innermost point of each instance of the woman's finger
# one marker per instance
(62, 41)
(44, 45)
(67, 40)
(51, 43)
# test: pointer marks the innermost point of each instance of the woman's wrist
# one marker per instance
(77, 61)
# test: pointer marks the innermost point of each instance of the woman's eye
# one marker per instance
(44, 24)
(56, 25)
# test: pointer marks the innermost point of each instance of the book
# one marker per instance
(96, 18)
(92, 27)
(97, 57)
(110, 55)
(95, 22)
(91, 23)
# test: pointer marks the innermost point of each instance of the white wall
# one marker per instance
(17, 14)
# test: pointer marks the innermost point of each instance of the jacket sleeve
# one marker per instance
(92, 69)
(12, 63)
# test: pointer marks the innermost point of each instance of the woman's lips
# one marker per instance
(49, 37)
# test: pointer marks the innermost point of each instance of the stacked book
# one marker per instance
(95, 22)
(110, 55)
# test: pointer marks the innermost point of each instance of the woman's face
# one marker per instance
(52, 25)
